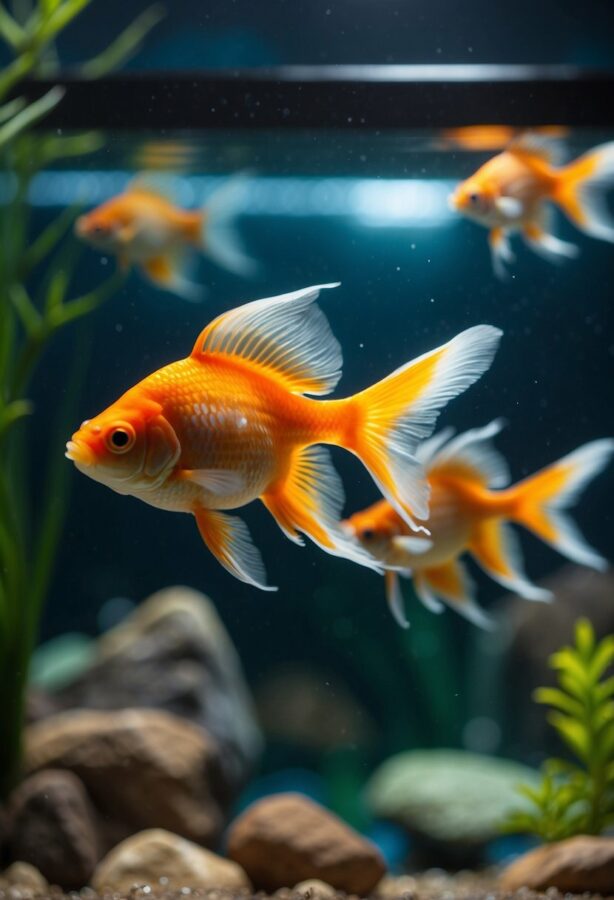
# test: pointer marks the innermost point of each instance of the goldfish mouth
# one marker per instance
(78, 452)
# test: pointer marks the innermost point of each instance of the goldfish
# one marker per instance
(232, 422)
(494, 137)
(144, 227)
(514, 191)
(471, 508)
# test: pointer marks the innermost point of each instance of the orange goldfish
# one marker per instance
(144, 227)
(231, 423)
(512, 192)
(467, 515)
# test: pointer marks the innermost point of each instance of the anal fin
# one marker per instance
(451, 582)
(308, 498)
(228, 538)
(495, 548)
(395, 598)
(167, 272)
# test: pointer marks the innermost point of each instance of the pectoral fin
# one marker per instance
(509, 207)
(415, 546)
(500, 251)
(395, 598)
(229, 540)
(217, 481)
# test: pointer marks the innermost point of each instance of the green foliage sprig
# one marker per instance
(576, 797)
(38, 299)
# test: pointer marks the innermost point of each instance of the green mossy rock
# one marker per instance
(448, 798)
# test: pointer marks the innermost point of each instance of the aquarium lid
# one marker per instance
(347, 97)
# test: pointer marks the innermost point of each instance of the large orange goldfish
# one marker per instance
(144, 227)
(512, 192)
(230, 424)
(467, 515)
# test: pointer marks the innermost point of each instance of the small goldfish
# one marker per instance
(467, 515)
(144, 227)
(231, 423)
(494, 137)
(512, 192)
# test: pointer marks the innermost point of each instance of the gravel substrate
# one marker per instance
(432, 885)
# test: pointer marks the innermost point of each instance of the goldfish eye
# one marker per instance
(474, 199)
(121, 438)
(368, 534)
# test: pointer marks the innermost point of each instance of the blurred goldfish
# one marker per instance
(511, 192)
(466, 515)
(144, 227)
(494, 137)
(230, 423)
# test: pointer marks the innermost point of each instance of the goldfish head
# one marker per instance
(101, 228)
(130, 447)
(372, 530)
(475, 200)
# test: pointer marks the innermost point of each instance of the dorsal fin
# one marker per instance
(156, 184)
(538, 146)
(471, 455)
(287, 336)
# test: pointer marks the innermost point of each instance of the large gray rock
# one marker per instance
(150, 855)
(143, 768)
(52, 827)
(451, 801)
(173, 653)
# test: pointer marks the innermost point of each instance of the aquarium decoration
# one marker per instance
(576, 797)
(37, 300)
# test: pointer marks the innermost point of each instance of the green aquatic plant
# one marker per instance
(38, 300)
(576, 797)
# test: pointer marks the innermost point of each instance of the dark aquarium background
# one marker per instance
(348, 168)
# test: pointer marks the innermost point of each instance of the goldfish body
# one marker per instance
(143, 227)
(512, 192)
(231, 423)
(467, 515)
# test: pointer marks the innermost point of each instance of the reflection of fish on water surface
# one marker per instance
(231, 423)
(467, 515)
(493, 137)
(514, 191)
(144, 227)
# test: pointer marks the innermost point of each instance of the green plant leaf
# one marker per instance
(29, 115)
(558, 699)
(126, 45)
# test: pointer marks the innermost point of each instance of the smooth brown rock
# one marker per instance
(143, 768)
(52, 827)
(287, 838)
(576, 865)
(23, 875)
(150, 855)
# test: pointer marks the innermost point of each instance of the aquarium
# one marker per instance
(164, 693)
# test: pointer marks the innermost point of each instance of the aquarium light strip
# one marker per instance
(377, 202)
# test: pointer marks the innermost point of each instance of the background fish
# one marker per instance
(512, 193)
(467, 515)
(144, 227)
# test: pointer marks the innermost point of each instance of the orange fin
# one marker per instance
(543, 500)
(495, 548)
(229, 540)
(535, 146)
(470, 456)
(286, 336)
(309, 498)
(396, 414)
(580, 190)
(450, 582)
(167, 272)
